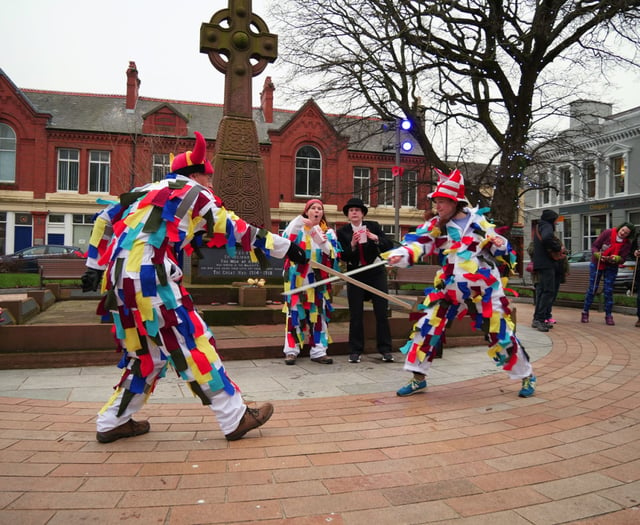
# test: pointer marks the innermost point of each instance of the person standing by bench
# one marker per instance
(610, 250)
(362, 242)
(469, 283)
(134, 251)
(545, 244)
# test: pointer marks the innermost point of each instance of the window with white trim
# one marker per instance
(389, 230)
(8, 144)
(544, 194)
(590, 180)
(362, 183)
(68, 169)
(566, 184)
(385, 187)
(592, 226)
(99, 168)
(409, 189)
(617, 174)
(308, 172)
(161, 166)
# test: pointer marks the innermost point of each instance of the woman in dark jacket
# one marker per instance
(545, 243)
(609, 251)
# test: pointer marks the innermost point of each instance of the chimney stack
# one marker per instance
(266, 100)
(588, 113)
(133, 85)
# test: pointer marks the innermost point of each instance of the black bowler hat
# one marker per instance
(354, 202)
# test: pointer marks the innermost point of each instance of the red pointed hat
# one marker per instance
(193, 161)
(449, 186)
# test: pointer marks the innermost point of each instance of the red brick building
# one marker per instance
(61, 154)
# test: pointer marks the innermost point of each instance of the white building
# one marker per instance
(590, 176)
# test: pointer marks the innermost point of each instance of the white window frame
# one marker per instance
(8, 152)
(99, 168)
(409, 189)
(544, 194)
(67, 163)
(590, 178)
(565, 178)
(308, 168)
(589, 236)
(385, 187)
(615, 175)
(160, 166)
(362, 184)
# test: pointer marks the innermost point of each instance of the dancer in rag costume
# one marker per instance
(309, 312)
(469, 283)
(134, 253)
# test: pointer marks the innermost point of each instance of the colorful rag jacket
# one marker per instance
(306, 310)
(470, 283)
(138, 241)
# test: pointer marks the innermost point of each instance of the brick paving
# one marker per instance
(467, 452)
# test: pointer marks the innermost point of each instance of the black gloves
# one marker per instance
(91, 280)
(296, 254)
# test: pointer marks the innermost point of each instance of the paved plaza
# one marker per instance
(341, 446)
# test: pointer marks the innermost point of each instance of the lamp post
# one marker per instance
(396, 187)
(399, 145)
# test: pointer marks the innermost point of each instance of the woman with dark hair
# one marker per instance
(609, 251)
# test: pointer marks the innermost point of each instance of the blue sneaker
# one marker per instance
(413, 387)
(528, 386)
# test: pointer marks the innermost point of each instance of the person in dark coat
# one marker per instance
(545, 243)
(362, 242)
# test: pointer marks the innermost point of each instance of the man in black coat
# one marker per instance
(362, 242)
(544, 243)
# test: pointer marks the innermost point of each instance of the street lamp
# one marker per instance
(399, 145)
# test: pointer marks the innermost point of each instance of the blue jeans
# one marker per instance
(609, 274)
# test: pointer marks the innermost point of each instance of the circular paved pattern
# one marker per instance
(466, 452)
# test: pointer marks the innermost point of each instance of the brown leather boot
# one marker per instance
(129, 429)
(252, 418)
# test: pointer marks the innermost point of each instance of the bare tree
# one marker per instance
(496, 68)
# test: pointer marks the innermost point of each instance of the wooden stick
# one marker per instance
(351, 280)
(333, 279)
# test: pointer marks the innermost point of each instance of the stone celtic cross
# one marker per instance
(233, 39)
(239, 45)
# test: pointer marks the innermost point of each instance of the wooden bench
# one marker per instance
(578, 281)
(418, 274)
(69, 268)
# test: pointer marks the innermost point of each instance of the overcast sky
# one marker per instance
(85, 46)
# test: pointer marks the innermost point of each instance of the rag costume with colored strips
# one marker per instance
(469, 283)
(310, 310)
(138, 242)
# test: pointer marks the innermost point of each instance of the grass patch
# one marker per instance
(30, 280)
(19, 280)
(619, 299)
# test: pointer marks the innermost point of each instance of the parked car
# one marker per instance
(626, 272)
(26, 260)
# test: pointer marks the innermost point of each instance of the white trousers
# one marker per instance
(228, 409)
